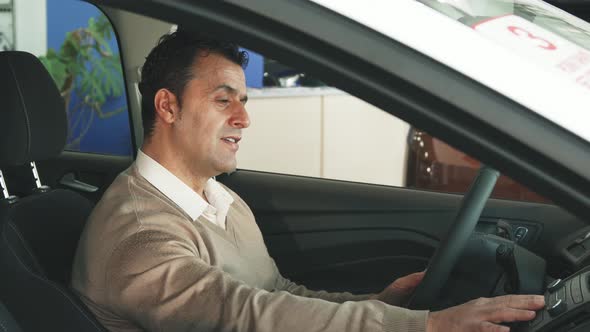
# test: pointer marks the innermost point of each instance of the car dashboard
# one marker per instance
(567, 299)
(497, 258)
(567, 306)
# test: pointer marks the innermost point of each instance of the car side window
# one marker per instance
(434, 165)
(324, 133)
(75, 41)
(327, 133)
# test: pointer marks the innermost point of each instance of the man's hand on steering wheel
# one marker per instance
(399, 291)
(451, 245)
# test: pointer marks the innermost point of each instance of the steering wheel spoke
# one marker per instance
(446, 255)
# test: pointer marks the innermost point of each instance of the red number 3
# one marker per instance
(542, 43)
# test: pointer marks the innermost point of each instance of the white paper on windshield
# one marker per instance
(539, 45)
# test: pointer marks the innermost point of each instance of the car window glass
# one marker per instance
(76, 43)
(526, 50)
(434, 165)
(320, 131)
(539, 13)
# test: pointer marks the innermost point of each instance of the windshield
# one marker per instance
(527, 50)
(533, 29)
(474, 13)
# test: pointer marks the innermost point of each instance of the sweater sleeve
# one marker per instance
(158, 280)
(284, 284)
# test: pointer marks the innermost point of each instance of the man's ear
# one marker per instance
(167, 106)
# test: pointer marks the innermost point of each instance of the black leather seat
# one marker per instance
(39, 233)
(7, 323)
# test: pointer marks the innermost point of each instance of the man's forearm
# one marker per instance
(284, 284)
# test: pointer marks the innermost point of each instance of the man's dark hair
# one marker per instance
(170, 65)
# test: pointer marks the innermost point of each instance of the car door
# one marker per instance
(359, 237)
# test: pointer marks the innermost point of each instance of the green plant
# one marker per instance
(87, 73)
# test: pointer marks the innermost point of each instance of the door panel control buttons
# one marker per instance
(558, 308)
(520, 234)
(576, 290)
(554, 285)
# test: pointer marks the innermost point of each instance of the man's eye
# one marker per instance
(223, 101)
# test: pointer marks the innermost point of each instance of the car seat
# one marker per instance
(38, 233)
(7, 323)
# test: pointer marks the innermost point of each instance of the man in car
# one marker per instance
(170, 249)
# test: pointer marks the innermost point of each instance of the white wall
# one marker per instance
(363, 143)
(328, 135)
(30, 22)
(284, 136)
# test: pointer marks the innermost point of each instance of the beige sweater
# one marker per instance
(143, 264)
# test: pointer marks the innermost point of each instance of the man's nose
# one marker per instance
(240, 117)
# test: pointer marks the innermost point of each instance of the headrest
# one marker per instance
(33, 123)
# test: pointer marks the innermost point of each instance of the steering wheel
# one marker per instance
(448, 252)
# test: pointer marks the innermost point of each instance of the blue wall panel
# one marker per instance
(255, 70)
(111, 135)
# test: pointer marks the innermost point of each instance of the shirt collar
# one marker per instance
(180, 193)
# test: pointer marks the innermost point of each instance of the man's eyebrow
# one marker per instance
(227, 88)
(232, 90)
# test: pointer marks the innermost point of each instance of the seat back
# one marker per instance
(38, 239)
(44, 231)
(38, 233)
(7, 323)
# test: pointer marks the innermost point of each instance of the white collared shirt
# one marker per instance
(184, 196)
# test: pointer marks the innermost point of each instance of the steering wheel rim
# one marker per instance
(446, 255)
